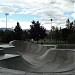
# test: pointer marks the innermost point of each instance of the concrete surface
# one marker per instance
(36, 59)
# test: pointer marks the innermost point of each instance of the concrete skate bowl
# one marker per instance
(45, 58)
(29, 47)
(58, 60)
(16, 62)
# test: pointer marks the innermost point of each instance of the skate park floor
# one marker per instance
(27, 58)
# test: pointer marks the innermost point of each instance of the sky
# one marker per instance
(25, 11)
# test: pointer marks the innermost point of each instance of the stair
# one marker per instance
(6, 59)
(7, 56)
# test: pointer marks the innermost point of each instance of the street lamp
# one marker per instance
(6, 19)
(51, 29)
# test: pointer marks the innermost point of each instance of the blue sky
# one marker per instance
(24, 11)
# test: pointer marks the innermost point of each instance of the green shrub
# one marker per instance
(71, 38)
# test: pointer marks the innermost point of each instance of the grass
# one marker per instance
(50, 42)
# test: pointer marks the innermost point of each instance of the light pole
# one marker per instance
(51, 29)
(6, 19)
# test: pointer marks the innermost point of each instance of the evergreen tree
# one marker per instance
(18, 31)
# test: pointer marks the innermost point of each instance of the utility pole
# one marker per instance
(6, 19)
(51, 29)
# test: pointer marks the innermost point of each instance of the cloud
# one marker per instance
(73, 15)
(2, 19)
(38, 5)
(66, 5)
(11, 24)
(46, 9)
(4, 9)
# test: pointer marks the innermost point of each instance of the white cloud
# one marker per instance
(2, 19)
(66, 5)
(5, 9)
(11, 24)
(73, 15)
(46, 9)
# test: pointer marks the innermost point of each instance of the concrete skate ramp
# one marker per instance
(57, 61)
(45, 58)
(8, 49)
(15, 62)
(5, 71)
(29, 47)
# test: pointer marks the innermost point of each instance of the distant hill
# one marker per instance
(7, 29)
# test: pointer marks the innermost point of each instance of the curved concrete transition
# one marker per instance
(38, 58)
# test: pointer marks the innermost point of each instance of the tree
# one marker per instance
(1, 34)
(71, 38)
(68, 23)
(65, 33)
(25, 35)
(56, 34)
(18, 31)
(7, 36)
(37, 32)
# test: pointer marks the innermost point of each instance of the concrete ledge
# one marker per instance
(6, 46)
(66, 46)
(7, 56)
